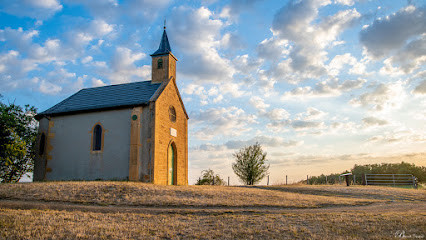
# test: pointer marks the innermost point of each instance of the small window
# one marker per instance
(172, 114)
(97, 138)
(42, 144)
(160, 63)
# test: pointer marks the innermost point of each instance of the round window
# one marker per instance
(172, 114)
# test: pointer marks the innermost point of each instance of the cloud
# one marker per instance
(324, 89)
(304, 125)
(13, 70)
(398, 136)
(421, 88)
(235, 7)
(373, 121)
(272, 49)
(230, 121)
(277, 114)
(97, 82)
(258, 103)
(265, 141)
(246, 65)
(49, 88)
(132, 11)
(339, 61)
(297, 23)
(38, 9)
(203, 62)
(123, 68)
(311, 114)
(391, 33)
(384, 96)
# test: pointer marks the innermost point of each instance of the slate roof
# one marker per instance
(164, 47)
(108, 97)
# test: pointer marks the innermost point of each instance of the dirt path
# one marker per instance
(419, 207)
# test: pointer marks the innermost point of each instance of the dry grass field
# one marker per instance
(125, 210)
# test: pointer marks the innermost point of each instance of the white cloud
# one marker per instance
(265, 141)
(14, 69)
(134, 11)
(277, 114)
(97, 82)
(398, 136)
(233, 89)
(87, 59)
(311, 114)
(123, 68)
(203, 62)
(231, 121)
(345, 2)
(339, 61)
(38, 9)
(383, 97)
(258, 103)
(246, 65)
(49, 88)
(324, 89)
(295, 22)
(236, 7)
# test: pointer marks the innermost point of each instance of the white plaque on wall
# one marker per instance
(173, 132)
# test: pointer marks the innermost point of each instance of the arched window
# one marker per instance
(42, 144)
(172, 114)
(160, 63)
(97, 138)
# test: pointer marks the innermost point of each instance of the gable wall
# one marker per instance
(71, 138)
(163, 138)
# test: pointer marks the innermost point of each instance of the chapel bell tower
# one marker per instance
(163, 61)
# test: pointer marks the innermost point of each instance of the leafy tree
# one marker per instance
(18, 131)
(209, 178)
(250, 164)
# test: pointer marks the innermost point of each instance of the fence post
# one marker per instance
(228, 181)
(365, 178)
(326, 180)
(213, 180)
(307, 180)
(340, 182)
(267, 183)
(414, 182)
(393, 178)
(285, 179)
(354, 180)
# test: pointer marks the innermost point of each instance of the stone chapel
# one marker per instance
(136, 131)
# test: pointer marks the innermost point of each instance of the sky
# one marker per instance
(320, 84)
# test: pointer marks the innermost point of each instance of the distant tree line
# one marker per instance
(384, 168)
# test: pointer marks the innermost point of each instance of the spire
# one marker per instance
(164, 47)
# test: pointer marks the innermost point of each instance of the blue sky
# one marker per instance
(321, 84)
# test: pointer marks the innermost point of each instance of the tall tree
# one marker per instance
(250, 164)
(18, 131)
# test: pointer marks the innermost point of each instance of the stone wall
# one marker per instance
(164, 137)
